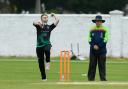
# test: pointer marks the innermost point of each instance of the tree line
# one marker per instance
(69, 6)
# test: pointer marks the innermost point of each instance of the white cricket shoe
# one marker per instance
(44, 80)
(47, 66)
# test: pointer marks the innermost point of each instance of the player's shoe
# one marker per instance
(44, 80)
(47, 66)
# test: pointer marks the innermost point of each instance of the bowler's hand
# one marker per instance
(56, 19)
(52, 14)
(37, 23)
(96, 47)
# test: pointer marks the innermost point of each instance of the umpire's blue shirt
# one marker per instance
(98, 35)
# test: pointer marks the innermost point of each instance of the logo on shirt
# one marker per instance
(101, 35)
(47, 27)
(92, 34)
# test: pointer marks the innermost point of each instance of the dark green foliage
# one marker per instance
(74, 6)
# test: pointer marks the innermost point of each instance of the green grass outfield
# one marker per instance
(23, 73)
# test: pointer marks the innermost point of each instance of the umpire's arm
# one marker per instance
(105, 39)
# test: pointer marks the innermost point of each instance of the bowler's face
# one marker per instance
(44, 19)
(98, 23)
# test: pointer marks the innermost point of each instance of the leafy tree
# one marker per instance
(75, 6)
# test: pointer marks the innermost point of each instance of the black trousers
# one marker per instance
(101, 60)
(42, 53)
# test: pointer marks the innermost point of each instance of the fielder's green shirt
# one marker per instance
(43, 35)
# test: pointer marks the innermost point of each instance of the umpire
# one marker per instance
(98, 37)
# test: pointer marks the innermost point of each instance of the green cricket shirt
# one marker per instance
(43, 35)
